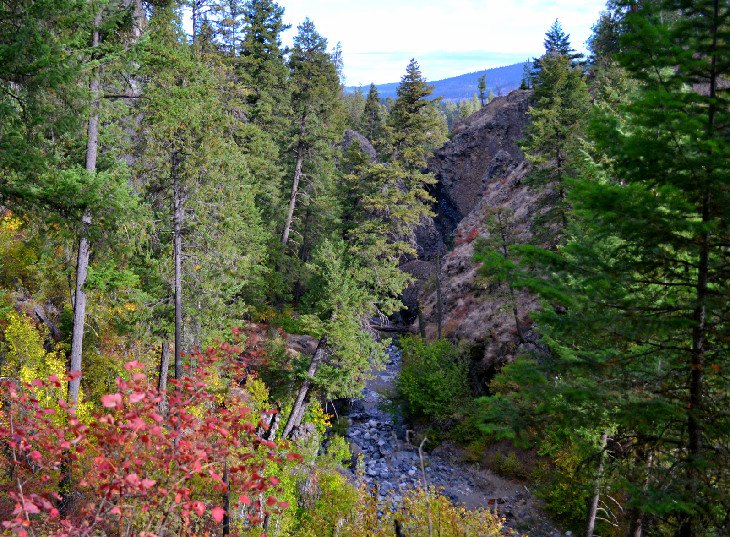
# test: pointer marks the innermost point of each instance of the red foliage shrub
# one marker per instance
(143, 463)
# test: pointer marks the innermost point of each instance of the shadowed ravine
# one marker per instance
(391, 464)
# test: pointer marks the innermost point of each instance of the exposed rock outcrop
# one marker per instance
(484, 147)
(479, 170)
(353, 137)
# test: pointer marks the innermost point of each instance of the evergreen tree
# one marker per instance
(354, 104)
(414, 128)
(262, 65)
(385, 202)
(229, 19)
(200, 187)
(554, 138)
(467, 107)
(81, 184)
(499, 262)
(643, 283)
(373, 117)
(482, 87)
(316, 106)
(347, 350)
(557, 43)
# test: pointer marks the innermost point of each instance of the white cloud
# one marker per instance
(448, 37)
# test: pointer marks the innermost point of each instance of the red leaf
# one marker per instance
(73, 375)
(294, 457)
(131, 366)
(30, 508)
(136, 397)
(245, 500)
(270, 501)
(112, 400)
(274, 481)
(218, 513)
(199, 508)
(35, 455)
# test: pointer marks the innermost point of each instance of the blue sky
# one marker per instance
(447, 37)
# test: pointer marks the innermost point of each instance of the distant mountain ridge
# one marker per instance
(500, 80)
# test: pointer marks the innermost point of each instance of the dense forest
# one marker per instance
(210, 251)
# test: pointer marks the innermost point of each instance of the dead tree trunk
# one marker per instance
(439, 297)
(82, 262)
(295, 184)
(297, 411)
(597, 489)
(177, 218)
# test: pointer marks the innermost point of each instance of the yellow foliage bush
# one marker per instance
(330, 506)
(25, 359)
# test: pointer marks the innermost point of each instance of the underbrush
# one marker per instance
(434, 379)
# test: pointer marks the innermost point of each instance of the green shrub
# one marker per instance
(433, 380)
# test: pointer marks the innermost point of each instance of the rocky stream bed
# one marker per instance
(392, 464)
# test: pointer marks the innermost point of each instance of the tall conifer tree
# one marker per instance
(315, 101)
(644, 282)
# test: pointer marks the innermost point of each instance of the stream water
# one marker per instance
(392, 463)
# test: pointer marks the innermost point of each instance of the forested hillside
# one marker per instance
(237, 299)
(500, 81)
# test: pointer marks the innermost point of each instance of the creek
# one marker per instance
(391, 463)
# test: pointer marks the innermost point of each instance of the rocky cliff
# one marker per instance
(480, 169)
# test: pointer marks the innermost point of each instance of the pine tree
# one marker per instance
(316, 106)
(385, 202)
(413, 122)
(343, 309)
(198, 182)
(262, 66)
(554, 138)
(373, 117)
(557, 43)
(644, 280)
(499, 262)
(354, 104)
(482, 87)
(81, 184)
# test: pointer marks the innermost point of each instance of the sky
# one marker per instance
(447, 37)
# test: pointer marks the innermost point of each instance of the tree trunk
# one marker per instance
(636, 526)
(597, 489)
(295, 184)
(689, 525)
(439, 297)
(82, 262)
(512, 295)
(194, 18)
(226, 502)
(297, 411)
(164, 367)
(273, 426)
(177, 218)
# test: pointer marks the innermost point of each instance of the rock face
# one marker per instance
(479, 170)
(484, 147)
(353, 137)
